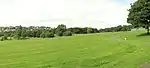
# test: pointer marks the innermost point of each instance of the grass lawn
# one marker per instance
(104, 50)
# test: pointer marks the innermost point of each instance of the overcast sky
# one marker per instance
(81, 13)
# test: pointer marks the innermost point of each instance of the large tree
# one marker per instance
(139, 14)
(60, 30)
(18, 32)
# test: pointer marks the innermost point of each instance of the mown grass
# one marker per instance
(104, 50)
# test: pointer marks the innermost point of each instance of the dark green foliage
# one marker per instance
(67, 33)
(47, 35)
(4, 38)
(126, 28)
(60, 30)
(59, 33)
(1, 39)
(84, 30)
(16, 37)
(78, 30)
(117, 29)
(10, 38)
(6, 34)
(42, 35)
(18, 32)
(1, 34)
(23, 33)
(38, 32)
(139, 14)
(29, 33)
(90, 30)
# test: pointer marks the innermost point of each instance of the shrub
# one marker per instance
(59, 33)
(1, 34)
(9, 38)
(16, 37)
(49, 35)
(5, 37)
(42, 35)
(1, 39)
(67, 33)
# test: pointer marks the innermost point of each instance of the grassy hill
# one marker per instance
(104, 50)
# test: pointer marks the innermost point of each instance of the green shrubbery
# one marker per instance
(1, 34)
(59, 33)
(16, 37)
(47, 35)
(50, 35)
(3, 38)
(19, 32)
(67, 33)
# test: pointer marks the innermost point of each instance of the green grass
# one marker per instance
(104, 50)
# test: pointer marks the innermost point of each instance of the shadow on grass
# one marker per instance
(143, 34)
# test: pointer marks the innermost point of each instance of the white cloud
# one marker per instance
(92, 13)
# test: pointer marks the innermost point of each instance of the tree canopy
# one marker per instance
(139, 14)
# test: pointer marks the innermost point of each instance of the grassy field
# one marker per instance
(104, 50)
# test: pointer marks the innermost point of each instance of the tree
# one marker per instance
(75, 30)
(38, 32)
(139, 14)
(24, 33)
(67, 33)
(60, 30)
(59, 33)
(90, 30)
(4, 38)
(1, 39)
(1, 34)
(42, 35)
(49, 35)
(18, 32)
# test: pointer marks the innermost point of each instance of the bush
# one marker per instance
(42, 35)
(49, 35)
(1, 39)
(17, 37)
(5, 37)
(9, 38)
(1, 34)
(59, 33)
(67, 33)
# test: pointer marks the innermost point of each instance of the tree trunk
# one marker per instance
(148, 30)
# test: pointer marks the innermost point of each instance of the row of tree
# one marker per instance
(19, 32)
(117, 29)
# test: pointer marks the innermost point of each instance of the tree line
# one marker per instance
(118, 28)
(20, 32)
